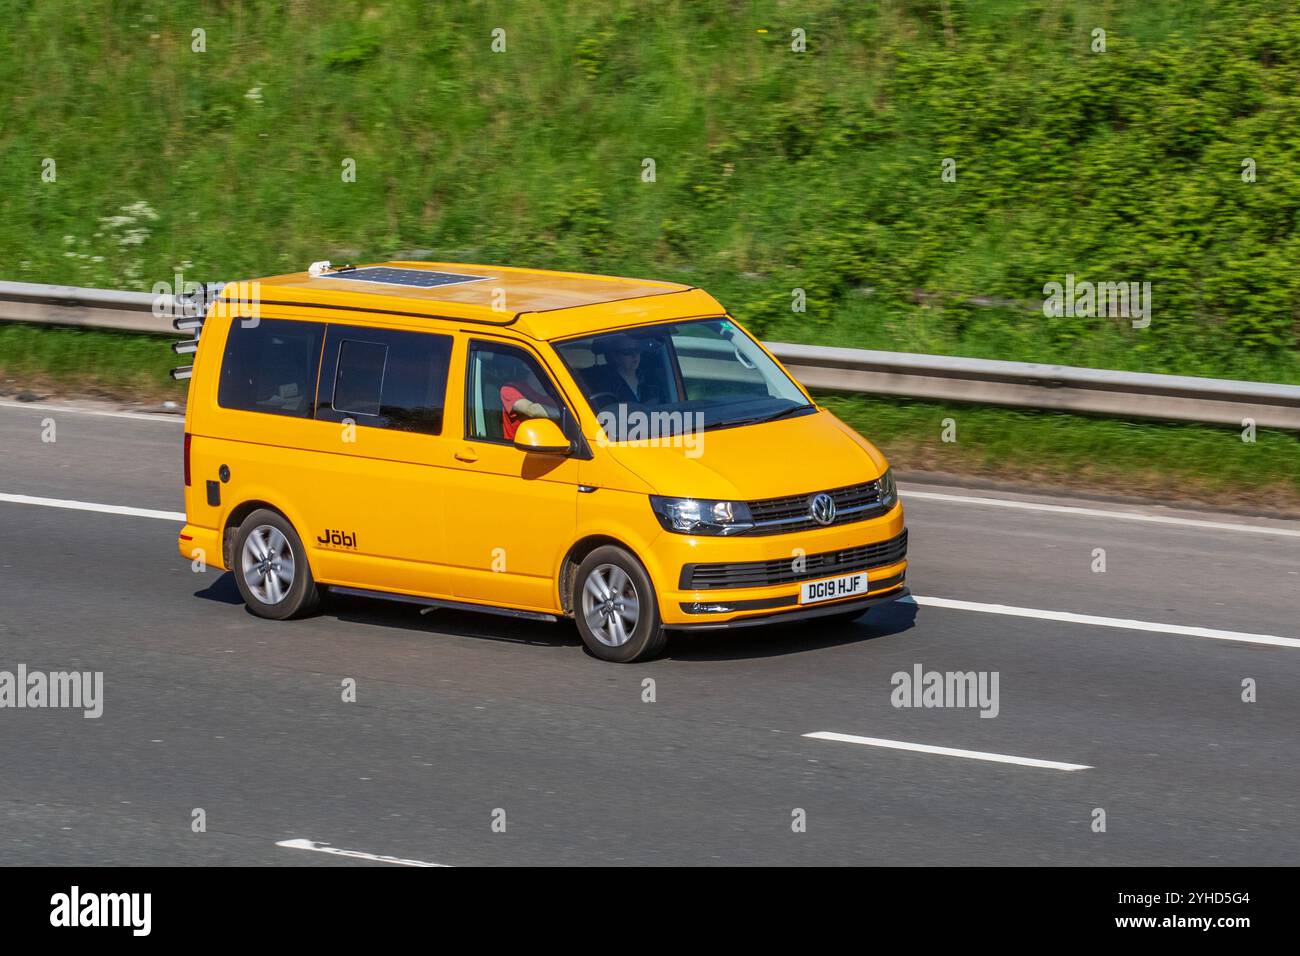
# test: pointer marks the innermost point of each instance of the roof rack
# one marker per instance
(192, 308)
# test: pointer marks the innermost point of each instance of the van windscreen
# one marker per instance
(705, 373)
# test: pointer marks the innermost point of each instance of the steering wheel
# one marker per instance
(596, 399)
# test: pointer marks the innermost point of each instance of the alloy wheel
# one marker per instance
(267, 563)
(610, 605)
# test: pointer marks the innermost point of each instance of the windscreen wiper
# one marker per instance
(765, 418)
(785, 413)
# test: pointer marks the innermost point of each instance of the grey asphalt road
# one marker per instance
(461, 719)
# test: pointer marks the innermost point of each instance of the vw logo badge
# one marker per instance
(822, 508)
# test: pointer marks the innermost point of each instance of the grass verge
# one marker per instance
(94, 363)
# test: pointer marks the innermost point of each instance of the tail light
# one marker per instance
(187, 459)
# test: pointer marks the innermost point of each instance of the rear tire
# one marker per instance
(271, 569)
(615, 607)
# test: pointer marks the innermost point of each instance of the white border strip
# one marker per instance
(92, 506)
(171, 418)
(1098, 513)
(300, 844)
(947, 751)
(1119, 622)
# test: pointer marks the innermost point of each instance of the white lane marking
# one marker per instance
(170, 418)
(1119, 622)
(299, 844)
(93, 506)
(1100, 513)
(947, 751)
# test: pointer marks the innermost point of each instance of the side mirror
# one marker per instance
(542, 436)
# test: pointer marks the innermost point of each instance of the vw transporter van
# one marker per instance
(538, 444)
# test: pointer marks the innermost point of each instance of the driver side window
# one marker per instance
(504, 387)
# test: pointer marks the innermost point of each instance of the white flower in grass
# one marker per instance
(140, 210)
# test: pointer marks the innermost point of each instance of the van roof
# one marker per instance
(536, 302)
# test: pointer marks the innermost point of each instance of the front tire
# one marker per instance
(615, 607)
(271, 569)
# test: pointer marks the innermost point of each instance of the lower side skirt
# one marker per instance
(438, 603)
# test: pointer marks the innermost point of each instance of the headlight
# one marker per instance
(888, 490)
(701, 515)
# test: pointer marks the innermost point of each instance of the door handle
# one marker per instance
(466, 454)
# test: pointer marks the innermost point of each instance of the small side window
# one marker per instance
(385, 378)
(359, 383)
(271, 367)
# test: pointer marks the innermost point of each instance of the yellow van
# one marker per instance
(539, 444)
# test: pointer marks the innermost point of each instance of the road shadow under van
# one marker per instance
(222, 590)
(472, 624)
(772, 640)
(381, 613)
(775, 640)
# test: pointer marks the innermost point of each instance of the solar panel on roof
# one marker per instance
(412, 278)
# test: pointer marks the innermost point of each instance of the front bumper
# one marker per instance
(737, 600)
(799, 612)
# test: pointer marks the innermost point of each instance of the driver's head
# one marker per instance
(623, 352)
(509, 368)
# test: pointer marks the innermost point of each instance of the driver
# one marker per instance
(521, 400)
(620, 376)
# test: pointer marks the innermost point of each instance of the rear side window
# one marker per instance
(270, 366)
(384, 378)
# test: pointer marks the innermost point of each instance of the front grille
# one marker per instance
(790, 512)
(757, 574)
